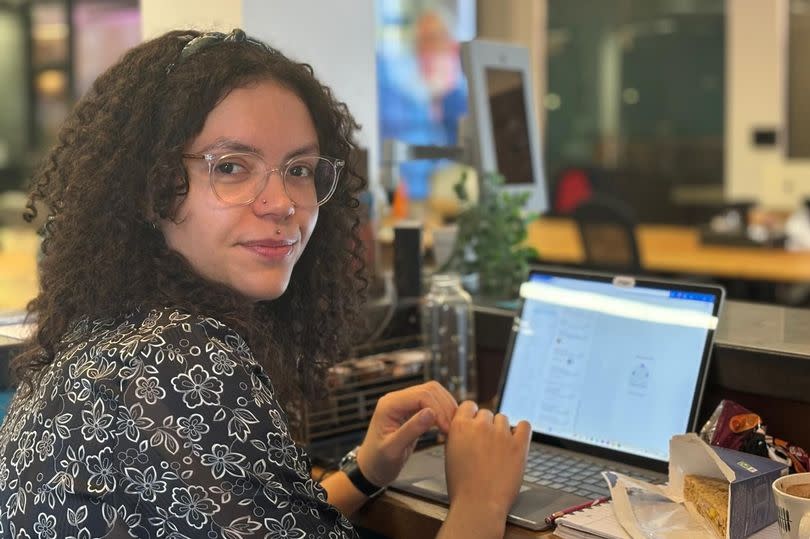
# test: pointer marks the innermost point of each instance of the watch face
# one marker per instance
(348, 459)
(348, 465)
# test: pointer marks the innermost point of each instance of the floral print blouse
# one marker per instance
(161, 425)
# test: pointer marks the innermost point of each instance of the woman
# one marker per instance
(201, 241)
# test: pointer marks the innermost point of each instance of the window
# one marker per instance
(636, 90)
(798, 113)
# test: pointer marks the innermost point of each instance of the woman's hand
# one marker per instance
(399, 419)
(484, 455)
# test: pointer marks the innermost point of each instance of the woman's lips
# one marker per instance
(271, 250)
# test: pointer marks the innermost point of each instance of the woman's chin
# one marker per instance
(263, 292)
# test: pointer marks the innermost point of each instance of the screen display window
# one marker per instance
(510, 133)
(616, 367)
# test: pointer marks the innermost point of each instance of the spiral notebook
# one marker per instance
(599, 522)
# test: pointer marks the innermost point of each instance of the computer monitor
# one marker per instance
(502, 132)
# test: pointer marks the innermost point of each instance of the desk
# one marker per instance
(677, 249)
(19, 281)
(400, 516)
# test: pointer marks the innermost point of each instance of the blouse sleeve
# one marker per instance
(208, 451)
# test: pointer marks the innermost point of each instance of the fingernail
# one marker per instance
(427, 416)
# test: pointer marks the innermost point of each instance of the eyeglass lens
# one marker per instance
(239, 178)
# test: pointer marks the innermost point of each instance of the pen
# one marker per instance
(568, 510)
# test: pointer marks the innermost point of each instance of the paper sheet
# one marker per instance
(599, 521)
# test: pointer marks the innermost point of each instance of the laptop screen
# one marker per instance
(609, 362)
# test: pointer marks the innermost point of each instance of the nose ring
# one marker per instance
(292, 206)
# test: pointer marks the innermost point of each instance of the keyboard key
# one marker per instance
(572, 473)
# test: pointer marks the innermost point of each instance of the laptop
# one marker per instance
(606, 368)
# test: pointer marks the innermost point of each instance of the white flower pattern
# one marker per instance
(147, 426)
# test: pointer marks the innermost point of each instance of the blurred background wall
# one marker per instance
(677, 106)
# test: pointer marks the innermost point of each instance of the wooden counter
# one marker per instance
(677, 249)
(401, 516)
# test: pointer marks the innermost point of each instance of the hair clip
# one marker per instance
(208, 39)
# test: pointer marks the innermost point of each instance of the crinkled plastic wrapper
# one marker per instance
(649, 511)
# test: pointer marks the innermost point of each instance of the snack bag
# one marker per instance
(733, 426)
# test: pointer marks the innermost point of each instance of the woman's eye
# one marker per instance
(230, 167)
(300, 171)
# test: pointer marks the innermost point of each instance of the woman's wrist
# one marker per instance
(474, 519)
(489, 509)
(350, 465)
(342, 493)
(364, 462)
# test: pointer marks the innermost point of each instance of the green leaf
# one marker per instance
(493, 231)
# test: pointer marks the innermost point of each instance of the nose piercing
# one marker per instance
(291, 210)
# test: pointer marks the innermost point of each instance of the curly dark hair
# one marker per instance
(118, 163)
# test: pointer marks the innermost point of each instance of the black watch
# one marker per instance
(348, 465)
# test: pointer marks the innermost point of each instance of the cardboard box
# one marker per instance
(750, 501)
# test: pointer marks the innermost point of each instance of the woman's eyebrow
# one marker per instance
(303, 150)
(232, 145)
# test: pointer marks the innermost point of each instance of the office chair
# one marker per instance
(574, 184)
(607, 229)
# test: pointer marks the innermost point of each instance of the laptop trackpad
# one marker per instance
(535, 503)
(437, 485)
(532, 505)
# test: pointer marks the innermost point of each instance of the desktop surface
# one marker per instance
(395, 514)
(676, 249)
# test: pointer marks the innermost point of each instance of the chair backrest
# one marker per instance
(607, 228)
(572, 187)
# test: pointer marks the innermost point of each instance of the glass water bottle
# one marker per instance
(448, 328)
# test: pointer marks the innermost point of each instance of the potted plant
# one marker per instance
(491, 239)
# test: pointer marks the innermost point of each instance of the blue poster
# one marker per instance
(422, 91)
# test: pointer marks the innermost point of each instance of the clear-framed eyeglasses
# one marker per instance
(237, 179)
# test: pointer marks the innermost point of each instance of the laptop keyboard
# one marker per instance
(573, 473)
(570, 472)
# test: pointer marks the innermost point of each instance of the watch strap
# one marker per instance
(352, 470)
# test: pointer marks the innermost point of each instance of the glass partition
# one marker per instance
(798, 113)
(636, 96)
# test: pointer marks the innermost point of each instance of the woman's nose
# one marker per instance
(273, 199)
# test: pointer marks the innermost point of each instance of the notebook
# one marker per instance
(594, 522)
(606, 368)
(600, 523)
